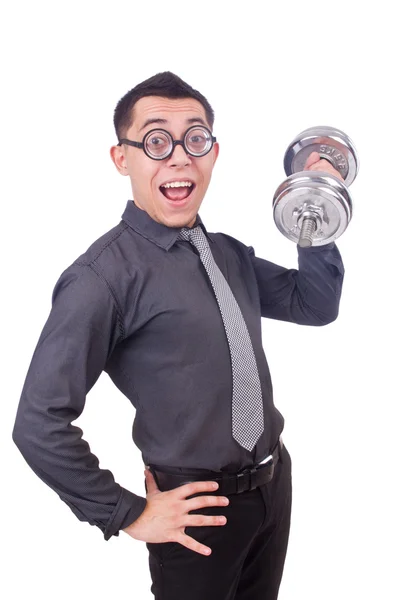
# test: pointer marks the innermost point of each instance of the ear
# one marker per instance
(216, 152)
(118, 157)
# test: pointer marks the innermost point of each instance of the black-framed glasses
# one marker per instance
(159, 144)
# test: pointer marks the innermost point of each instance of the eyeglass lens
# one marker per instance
(159, 143)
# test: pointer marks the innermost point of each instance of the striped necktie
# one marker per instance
(247, 406)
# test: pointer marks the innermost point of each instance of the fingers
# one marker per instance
(173, 506)
(314, 162)
(188, 489)
(311, 159)
(192, 544)
(203, 501)
(204, 520)
(199, 521)
(326, 166)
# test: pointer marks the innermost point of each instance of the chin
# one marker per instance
(181, 222)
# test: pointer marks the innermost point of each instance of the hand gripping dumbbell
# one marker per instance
(314, 208)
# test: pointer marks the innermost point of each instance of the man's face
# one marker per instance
(147, 175)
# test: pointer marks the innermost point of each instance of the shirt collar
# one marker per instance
(141, 222)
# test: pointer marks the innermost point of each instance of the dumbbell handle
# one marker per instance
(309, 224)
(308, 229)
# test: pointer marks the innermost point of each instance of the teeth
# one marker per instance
(177, 184)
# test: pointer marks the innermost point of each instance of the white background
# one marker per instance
(270, 71)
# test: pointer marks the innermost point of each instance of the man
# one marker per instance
(173, 314)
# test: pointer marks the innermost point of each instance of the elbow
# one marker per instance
(320, 318)
(328, 320)
(328, 317)
(18, 436)
(16, 433)
(321, 304)
(30, 446)
(22, 438)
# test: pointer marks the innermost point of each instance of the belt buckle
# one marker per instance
(251, 471)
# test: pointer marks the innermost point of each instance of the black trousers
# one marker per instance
(248, 553)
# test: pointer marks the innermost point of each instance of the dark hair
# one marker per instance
(164, 84)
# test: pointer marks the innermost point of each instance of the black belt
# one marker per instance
(229, 483)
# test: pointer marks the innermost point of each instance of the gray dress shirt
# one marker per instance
(138, 305)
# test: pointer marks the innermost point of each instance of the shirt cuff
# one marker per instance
(128, 508)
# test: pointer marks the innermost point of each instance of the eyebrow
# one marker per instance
(164, 122)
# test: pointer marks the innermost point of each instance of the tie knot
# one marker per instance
(189, 234)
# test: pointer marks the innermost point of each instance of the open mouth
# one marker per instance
(177, 190)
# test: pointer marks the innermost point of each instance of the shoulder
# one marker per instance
(102, 249)
(111, 254)
(90, 276)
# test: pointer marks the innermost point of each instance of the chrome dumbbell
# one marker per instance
(313, 208)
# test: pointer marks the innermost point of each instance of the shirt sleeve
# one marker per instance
(309, 295)
(83, 327)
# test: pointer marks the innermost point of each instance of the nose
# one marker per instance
(179, 158)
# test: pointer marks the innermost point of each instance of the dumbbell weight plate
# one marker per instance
(312, 191)
(330, 143)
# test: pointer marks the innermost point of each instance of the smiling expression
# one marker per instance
(147, 175)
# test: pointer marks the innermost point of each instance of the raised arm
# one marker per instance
(309, 295)
(81, 331)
